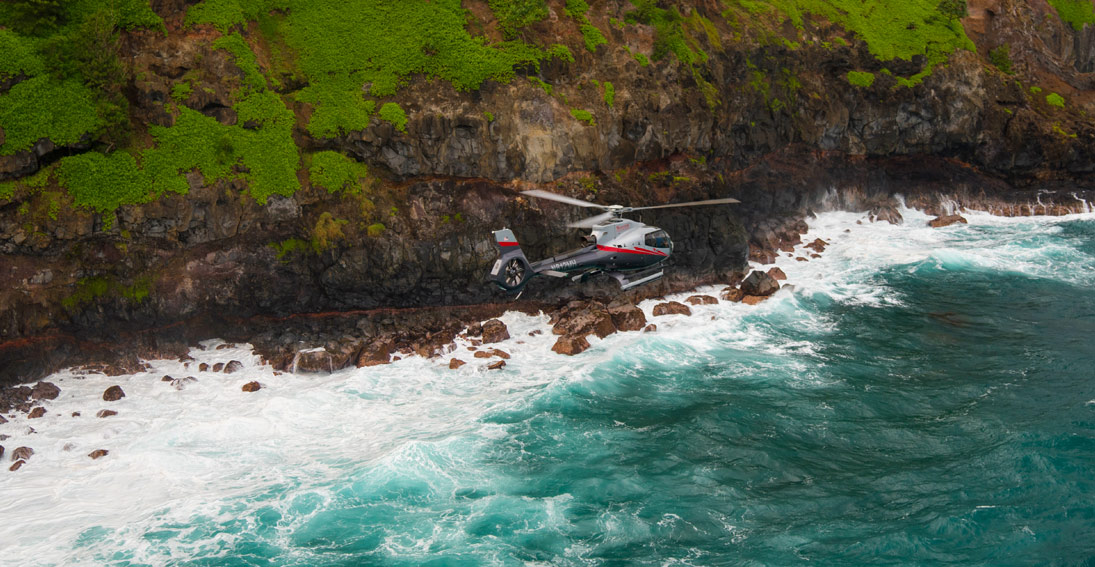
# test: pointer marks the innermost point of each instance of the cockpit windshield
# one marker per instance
(658, 239)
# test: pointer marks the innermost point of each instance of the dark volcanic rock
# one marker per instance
(98, 453)
(671, 308)
(777, 274)
(203, 367)
(218, 367)
(759, 283)
(18, 465)
(233, 366)
(36, 413)
(1, 451)
(702, 300)
(650, 328)
(496, 365)
(113, 394)
(22, 453)
(571, 344)
(494, 331)
(583, 318)
(378, 352)
(732, 294)
(946, 220)
(754, 299)
(818, 245)
(456, 363)
(45, 391)
(106, 413)
(627, 317)
(251, 387)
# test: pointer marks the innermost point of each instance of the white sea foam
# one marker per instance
(209, 450)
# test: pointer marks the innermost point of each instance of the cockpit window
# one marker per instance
(658, 239)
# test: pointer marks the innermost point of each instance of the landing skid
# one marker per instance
(635, 279)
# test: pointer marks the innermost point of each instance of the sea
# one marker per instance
(916, 396)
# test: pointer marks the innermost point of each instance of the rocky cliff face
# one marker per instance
(770, 118)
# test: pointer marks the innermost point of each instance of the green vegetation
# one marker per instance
(583, 115)
(577, 9)
(43, 107)
(181, 91)
(515, 14)
(89, 289)
(610, 93)
(1061, 131)
(1035, 90)
(892, 30)
(339, 51)
(374, 230)
(1001, 58)
(393, 113)
(103, 182)
(335, 173)
(7, 190)
(672, 36)
(1055, 99)
(488, 115)
(861, 79)
(540, 83)
(1075, 12)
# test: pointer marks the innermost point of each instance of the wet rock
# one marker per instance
(627, 317)
(583, 318)
(218, 367)
(494, 331)
(203, 367)
(535, 332)
(475, 330)
(650, 328)
(777, 274)
(251, 387)
(497, 365)
(671, 308)
(22, 453)
(1, 451)
(18, 465)
(754, 299)
(492, 353)
(167, 378)
(106, 413)
(45, 391)
(113, 394)
(571, 344)
(181, 383)
(98, 453)
(223, 346)
(233, 366)
(75, 414)
(456, 363)
(818, 245)
(732, 294)
(378, 352)
(36, 413)
(800, 259)
(759, 283)
(702, 300)
(2, 420)
(946, 220)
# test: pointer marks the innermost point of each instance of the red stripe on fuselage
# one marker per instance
(508, 244)
(632, 251)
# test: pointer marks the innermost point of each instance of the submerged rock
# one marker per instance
(650, 328)
(671, 308)
(818, 245)
(947, 220)
(98, 453)
(497, 365)
(113, 394)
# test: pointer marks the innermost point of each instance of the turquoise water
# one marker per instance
(939, 411)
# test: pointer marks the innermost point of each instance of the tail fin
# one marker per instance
(512, 269)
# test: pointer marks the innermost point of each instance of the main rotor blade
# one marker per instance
(561, 198)
(588, 222)
(726, 201)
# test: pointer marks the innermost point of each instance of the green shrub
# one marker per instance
(1001, 58)
(20, 56)
(393, 113)
(540, 83)
(610, 94)
(583, 115)
(181, 91)
(335, 172)
(44, 107)
(1075, 12)
(592, 36)
(1055, 99)
(1035, 90)
(863, 79)
(375, 229)
(7, 190)
(103, 182)
(488, 115)
(515, 14)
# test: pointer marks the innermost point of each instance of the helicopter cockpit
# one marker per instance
(659, 239)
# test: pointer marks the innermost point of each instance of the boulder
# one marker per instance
(474, 330)
(492, 353)
(671, 308)
(497, 365)
(180, 383)
(218, 367)
(801, 259)
(251, 387)
(627, 317)
(571, 344)
(702, 300)
(818, 245)
(167, 379)
(37, 412)
(377, 352)
(45, 391)
(732, 294)
(535, 332)
(777, 274)
(759, 283)
(2, 420)
(946, 220)
(650, 328)
(22, 454)
(233, 366)
(203, 367)
(456, 363)
(1, 451)
(113, 394)
(754, 299)
(584, 319)
(494, 331)
(106, 413)
(18, 465)
(75, 414)
(98, 453)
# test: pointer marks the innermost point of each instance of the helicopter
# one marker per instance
(627, 250)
